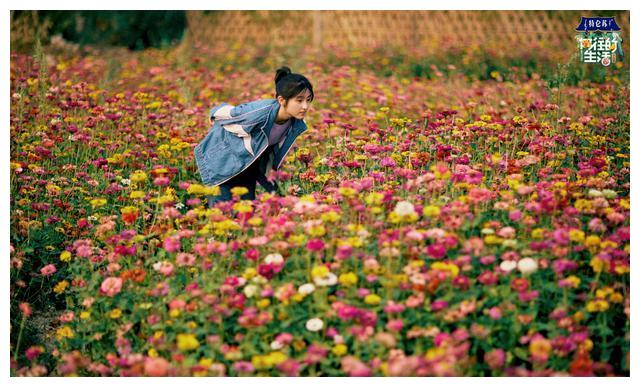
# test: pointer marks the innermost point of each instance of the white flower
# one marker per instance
(314, 325)
(259, 280)
(250, 290)
(179, 206)
(276, 345)
(507, 266)
(125, 181)
(609, 194)
(527, 265)
(404, 208)
(306, 289)
(328, 280)
(487, 231)
(274, 258)
(594, 193)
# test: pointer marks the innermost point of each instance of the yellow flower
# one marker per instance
(575, 281)
(451, 268)
(255, 221)
(136, 194)
(537, 233)
(138, 177)
(616, 298)
(187, 341)
(174, 313)
(576, 235)
(243, 206)
(263, 303)
(276, 357)
(435, 352)
(604, 292)
(330, 217)
(583, 205)
(347, 192)
(431, 211)
(99, 202)
(374, 198)
(319, 272)
(249, 273)
(597, 306)
(348, 279)
(317, 231)
(152, 352)
(61, 287)
(239, 191)
(592, 242)
(372, 299)
(64, 332)
(65, 256)
(85, 315)
(339, 349)
(598, 264)
(492, 239)
(115, 313)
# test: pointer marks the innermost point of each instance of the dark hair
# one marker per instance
(288, 84)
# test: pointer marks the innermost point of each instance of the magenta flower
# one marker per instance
(315, 245)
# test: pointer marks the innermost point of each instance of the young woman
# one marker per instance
(247, 140)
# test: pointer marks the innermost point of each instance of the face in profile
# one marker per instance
(299, 105)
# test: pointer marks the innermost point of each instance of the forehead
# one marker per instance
(304, 94)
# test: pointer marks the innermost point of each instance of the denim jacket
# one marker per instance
(238, 137)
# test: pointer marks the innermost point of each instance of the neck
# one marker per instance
(282, 115)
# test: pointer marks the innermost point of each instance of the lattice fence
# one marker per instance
(426, 30)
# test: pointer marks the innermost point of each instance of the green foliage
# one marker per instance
(134, 29)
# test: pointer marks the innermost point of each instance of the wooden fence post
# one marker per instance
(317, 29)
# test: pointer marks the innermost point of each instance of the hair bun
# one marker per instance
(282, 72)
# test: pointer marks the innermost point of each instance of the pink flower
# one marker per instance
(515, 215)
(395, 325)
(156, 366)
(388, 162)
(495, 313)
(111, 286)
(495, 358)
(164, 267)
(289, 367)
(392, 307)
(161, 181)
(354, 367)
(185, 259)
(48, 270)
(479, 195)
(171, 244)
(177, 304)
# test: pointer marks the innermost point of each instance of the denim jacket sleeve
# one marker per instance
(250, 115)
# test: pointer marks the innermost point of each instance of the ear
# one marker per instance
(281, 100)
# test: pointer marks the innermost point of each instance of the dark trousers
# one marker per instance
(248, 179)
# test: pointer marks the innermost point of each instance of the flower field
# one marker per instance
(441, 227)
